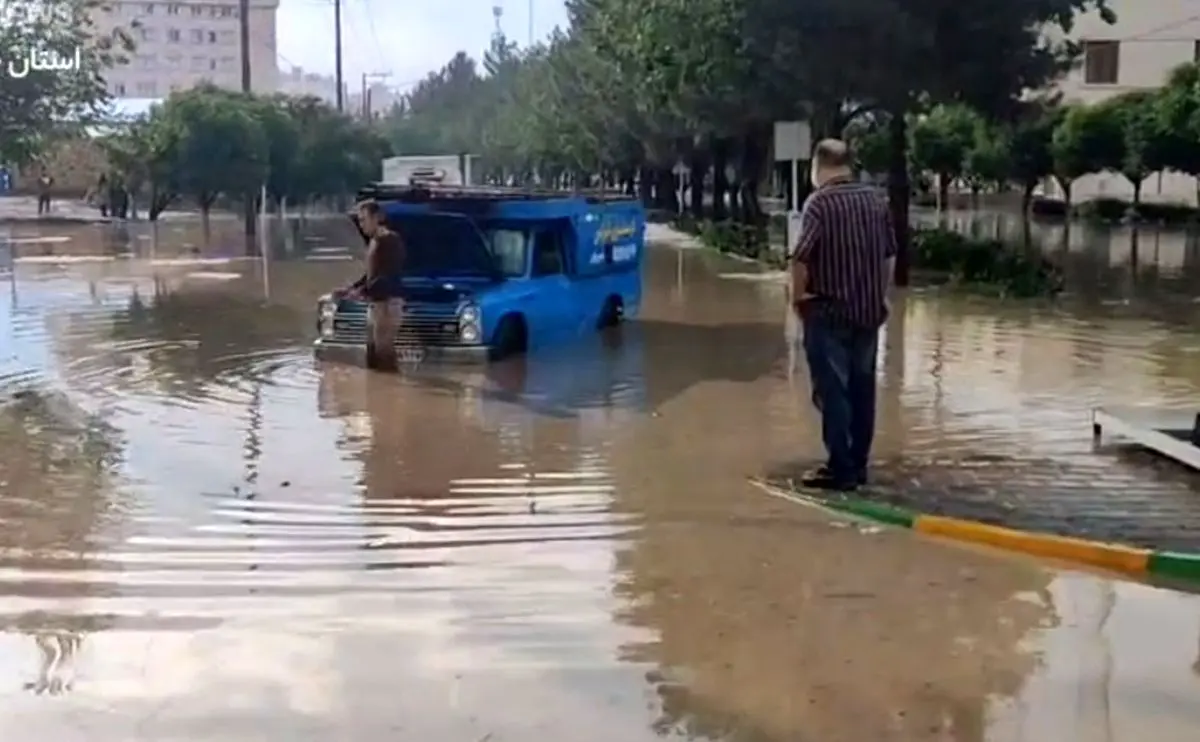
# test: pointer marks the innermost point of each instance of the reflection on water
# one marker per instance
(1102, 263)
(196, 515)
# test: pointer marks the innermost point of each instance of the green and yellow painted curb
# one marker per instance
(1115, 557)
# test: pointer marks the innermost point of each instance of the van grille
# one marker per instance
(421, 324)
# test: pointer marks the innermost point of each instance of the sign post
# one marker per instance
(793, 143)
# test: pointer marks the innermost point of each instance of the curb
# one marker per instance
(1114, 557)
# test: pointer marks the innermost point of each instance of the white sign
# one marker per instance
(793, 141)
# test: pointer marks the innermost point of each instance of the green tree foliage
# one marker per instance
(206, 143)
(1031, 156)
(941, 141)
(38, 102)
(633, 87)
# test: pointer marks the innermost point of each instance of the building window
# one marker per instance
(227, 37)
(226, 11)
(148, 34)
(227, 62)
(199, 64)
(212, 37)
(197, 11)
(174, 35)
(147, 61)
(197, 36)
(1196, 51)
(172, 9)
(174, 61)
(146, 89)
(149, 9)
(119, 89)
(1101, 62)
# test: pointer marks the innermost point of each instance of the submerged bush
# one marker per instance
(984, 262)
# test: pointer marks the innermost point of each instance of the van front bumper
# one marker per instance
(356, 354)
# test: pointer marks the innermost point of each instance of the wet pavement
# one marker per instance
(206, 536)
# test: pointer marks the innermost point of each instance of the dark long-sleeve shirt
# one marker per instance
(385, 264)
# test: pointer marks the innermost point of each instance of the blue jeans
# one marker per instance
(841, 362)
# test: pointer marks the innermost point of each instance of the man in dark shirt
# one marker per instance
(841, 272)
(380, 285)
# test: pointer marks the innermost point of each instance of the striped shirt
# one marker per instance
(846, 241)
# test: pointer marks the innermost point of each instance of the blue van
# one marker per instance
(493, 272)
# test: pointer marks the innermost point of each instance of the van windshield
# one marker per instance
(437, 246)
(509, 247)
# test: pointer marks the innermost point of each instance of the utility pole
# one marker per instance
(244, 18)
(337, 51)
(366, 90)
(244, 23)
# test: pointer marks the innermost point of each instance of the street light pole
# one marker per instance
(337, 47)
(244, 24)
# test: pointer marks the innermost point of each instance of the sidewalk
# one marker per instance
(1126, 497)
(62, 211)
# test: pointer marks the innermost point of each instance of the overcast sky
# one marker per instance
(405, 37)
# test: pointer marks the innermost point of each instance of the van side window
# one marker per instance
(547, 254)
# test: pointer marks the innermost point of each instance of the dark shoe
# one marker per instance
(821, 481)
(823, 471)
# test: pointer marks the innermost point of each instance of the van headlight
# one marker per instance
(468, 324)
(325, 314)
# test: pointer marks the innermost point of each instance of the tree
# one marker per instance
(1177, 108)
(941, 141)
(1031, 157)
(988, 159)
(37, 103)
(217, 141)
(1135, 119)
(1087, 140)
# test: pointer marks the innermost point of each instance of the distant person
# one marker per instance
(841, 272)
(45, 183)
(5, 180)
(380, 285)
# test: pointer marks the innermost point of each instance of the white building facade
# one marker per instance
(1138, 52)
(298, 82)
(186, 42)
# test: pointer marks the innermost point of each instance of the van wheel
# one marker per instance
(511, 339)
(612, 313)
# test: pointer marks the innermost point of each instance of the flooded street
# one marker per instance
(204, 535)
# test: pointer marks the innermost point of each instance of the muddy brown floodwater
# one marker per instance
(205, 536)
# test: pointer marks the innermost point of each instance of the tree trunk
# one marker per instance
(943, 197)
(1027, 198)
(1064, 185)
(646, 186)
(898, 192)
(720, 161)
(698, 164)
(664, 190)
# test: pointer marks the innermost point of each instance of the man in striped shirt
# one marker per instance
(841, 272)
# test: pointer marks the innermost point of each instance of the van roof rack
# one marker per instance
(422, 193)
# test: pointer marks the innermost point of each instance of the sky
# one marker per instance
(407, 38)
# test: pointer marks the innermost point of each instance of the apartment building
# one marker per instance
(186, 42)
(1148, 40)
(297, 81)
